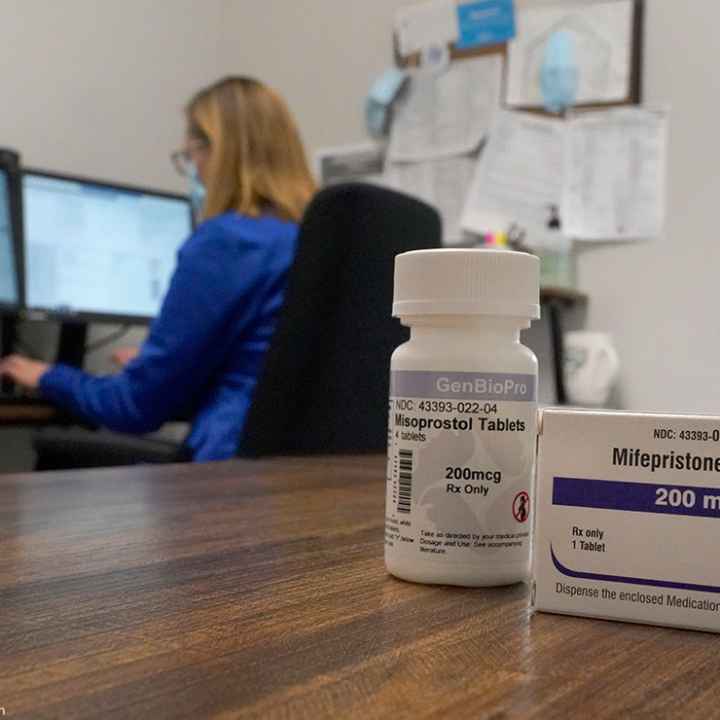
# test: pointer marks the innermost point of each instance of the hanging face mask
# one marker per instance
(379, 101)
(559, 72)
(197, 190)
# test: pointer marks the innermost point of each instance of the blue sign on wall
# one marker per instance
(485, 22)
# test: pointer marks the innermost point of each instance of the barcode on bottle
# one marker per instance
(405, 477)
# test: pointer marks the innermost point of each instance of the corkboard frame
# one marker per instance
(635, 91)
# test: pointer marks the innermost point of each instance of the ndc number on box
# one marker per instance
(687, 434)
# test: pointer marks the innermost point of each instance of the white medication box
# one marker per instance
(628, 517)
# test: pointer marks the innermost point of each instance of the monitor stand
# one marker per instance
(8, 337)
(71, 346)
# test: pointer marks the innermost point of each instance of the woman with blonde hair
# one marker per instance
(250, 184)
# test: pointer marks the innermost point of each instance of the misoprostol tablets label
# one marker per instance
(460, 461)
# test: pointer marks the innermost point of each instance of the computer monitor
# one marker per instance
(98, 251)
(9, 285)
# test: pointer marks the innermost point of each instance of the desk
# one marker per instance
(195, 592)
(29, 412)
(556, 300)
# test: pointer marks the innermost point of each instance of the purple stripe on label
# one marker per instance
(629, 580)
(637, 497)
(463, 385)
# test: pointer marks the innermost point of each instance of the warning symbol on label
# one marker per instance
(521, 507)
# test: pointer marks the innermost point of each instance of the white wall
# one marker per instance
(660, 298)
(657, 298)
(97, 87)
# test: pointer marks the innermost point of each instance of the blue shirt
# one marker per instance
(205, 350)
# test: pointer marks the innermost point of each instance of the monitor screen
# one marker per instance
(100, 250)
(8, 268)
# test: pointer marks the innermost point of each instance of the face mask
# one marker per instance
(559, 72)
(197, 190)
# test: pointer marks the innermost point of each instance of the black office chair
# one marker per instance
(324, 387)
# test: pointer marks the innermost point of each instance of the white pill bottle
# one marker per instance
(463, 416)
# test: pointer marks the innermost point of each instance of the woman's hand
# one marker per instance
(23, 371)
(123, 355)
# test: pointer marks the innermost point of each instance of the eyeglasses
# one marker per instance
(182, 159)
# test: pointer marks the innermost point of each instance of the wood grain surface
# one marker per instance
(258, 590)
(20, 412)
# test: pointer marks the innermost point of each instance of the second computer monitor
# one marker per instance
(99, 251)
(9, 291)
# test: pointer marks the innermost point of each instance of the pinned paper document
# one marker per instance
(615, 175)
(425, 24)
(442, 183)
(446, 114)
(595, 176)
(518, 180)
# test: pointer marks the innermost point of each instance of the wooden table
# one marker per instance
(258, 590)
(28, 412)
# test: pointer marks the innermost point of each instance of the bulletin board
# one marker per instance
(635, 71)
(459, 131)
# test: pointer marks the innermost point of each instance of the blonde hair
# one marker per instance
(257, 163)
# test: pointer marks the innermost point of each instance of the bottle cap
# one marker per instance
(467, 282)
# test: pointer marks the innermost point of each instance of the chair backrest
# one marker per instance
(324, 387)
